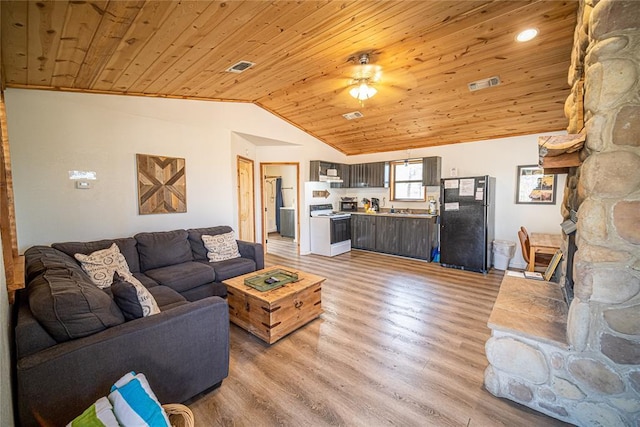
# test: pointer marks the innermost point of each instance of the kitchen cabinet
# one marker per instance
(431, 171)
(318, 168)
(407, 236)
(365, 175)
(343, 173)
(416, 237)
(363, 232)
(287, 222)
(389, 234)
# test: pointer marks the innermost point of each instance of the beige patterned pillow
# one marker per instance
(100, 265)
(221, 247)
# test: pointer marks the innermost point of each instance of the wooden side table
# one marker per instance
(542, 243)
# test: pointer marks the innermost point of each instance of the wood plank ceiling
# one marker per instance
(305, 56)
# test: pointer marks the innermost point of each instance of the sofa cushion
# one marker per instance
(147, 281)
(232, 268)
(166, 297)
(69, 305)
(126, 245)
(161, 249)
(133, 299)
(221, 247)
(38, 259)
(101, 265)
(213, 289)
(195, 239)
(182, 277)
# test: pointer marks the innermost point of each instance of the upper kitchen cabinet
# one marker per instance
(366, 175)
(431, 171)
(344, 172)
(322, 171)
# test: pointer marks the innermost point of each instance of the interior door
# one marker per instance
(246, 205)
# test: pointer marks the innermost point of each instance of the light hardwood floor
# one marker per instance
(401, 342)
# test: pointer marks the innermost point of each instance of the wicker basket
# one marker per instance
(179, 415)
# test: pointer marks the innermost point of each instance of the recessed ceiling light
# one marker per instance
(526, 35)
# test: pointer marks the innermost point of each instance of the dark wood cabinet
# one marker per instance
(356, 176)
(365, 175)
(363, 232)
(416, 237)
(397, 235)
(431, 171)
(389, 234)
(319, 167)
(362, 175)
(343, 173)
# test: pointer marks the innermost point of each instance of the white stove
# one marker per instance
(330, 230)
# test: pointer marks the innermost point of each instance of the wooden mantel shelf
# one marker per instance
(560, 152)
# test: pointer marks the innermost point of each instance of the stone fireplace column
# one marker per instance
(604, 318)
(595, 380)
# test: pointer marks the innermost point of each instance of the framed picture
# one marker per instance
(162, 184)
(534, 187)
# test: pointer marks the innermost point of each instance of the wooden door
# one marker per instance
(246, 200)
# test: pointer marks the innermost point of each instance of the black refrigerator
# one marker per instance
(467, 221)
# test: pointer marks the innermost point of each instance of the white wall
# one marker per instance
(498, 158)
(54, 132)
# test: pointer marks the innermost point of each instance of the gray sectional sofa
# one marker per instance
(72, 340)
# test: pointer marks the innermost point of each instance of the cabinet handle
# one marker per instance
(298, 304)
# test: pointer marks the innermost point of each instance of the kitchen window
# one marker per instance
(406, 180)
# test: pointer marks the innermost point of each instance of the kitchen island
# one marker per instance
(412, 235)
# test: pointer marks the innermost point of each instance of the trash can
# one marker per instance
(503, 251)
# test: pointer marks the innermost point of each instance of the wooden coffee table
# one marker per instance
(271, 315)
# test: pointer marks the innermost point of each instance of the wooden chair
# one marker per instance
(542, 260)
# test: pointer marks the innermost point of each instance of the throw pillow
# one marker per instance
(133, 299)
(135, 404)
(98, 414)
(221, 247)
(100, 265)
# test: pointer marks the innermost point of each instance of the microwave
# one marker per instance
(348, 206)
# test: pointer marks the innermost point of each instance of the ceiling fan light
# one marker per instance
(362, 91)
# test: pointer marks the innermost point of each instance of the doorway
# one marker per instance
(280, 185)
(246, 201)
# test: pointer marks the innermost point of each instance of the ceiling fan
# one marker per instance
(365, 79)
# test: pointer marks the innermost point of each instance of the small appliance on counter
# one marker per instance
(375, 204)
(348, 204)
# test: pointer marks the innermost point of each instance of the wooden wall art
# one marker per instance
(162, 184)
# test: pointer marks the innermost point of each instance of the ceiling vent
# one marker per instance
(483, 84)
(240, 67)
(353, 115)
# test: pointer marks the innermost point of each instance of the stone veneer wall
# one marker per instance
(596, 380)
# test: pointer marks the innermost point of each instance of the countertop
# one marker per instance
(395, 214)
